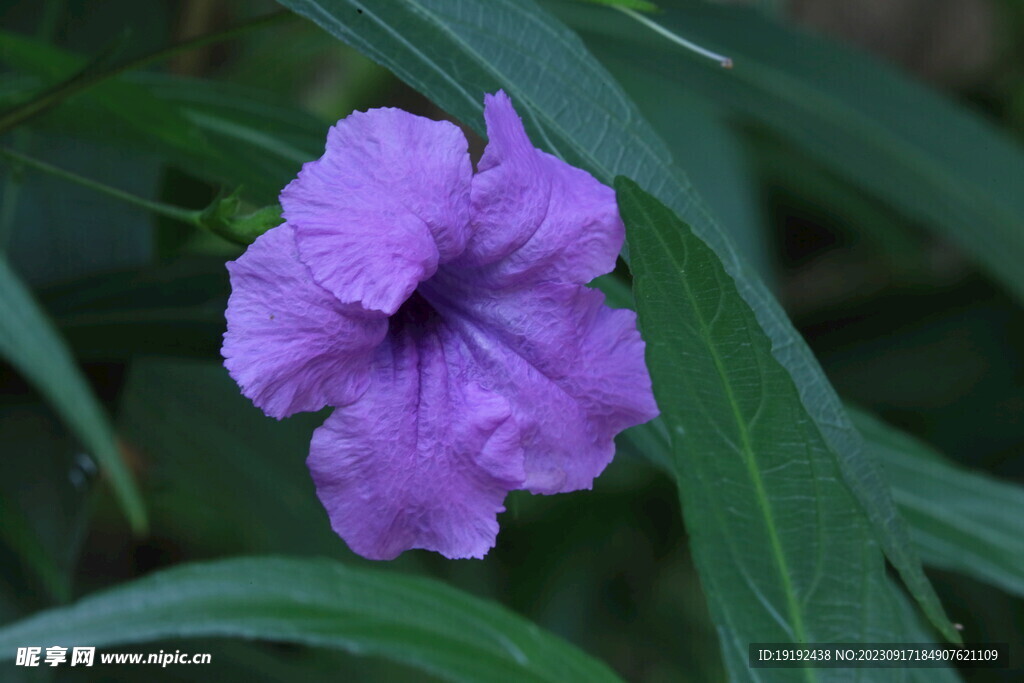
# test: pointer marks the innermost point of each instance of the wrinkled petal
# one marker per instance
(444, 314)
(387, 202)
(290, 345)
(425, 458)
(571, 368)
(535, 217)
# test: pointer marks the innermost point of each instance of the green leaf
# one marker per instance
(217, 131)
(319, 603)
(960, 520)
(455, 51)
(784, 551)
(253, 139)
(935, 161)
(119, 99)
(29, 343)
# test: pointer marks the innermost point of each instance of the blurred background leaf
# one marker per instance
(222, 133)
(960, 520)
(214, 457)
(888, 135)
(29, 343)
(133, 106)
(713, 156)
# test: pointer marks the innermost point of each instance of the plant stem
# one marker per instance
(189, 216)
(724, 61)
(89, 77)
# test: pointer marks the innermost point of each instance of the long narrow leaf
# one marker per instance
(319, 603)
(783, 552)
(959, 520)
(29, 343)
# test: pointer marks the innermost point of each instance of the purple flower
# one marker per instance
(444, 314)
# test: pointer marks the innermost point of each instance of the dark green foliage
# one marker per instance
(808, 224)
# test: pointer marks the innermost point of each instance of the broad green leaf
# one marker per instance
(30, 344)
(455, 50)
(959, 520)
(320, 603)
(935, 161)
(783, 550)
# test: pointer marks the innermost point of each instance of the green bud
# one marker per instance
(222, 218)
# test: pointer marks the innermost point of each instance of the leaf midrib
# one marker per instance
(747, 452)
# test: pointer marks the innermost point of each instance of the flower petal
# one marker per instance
(290, 345)
(387, 202)
(571, 368)
(535, 217)
(425, 457)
